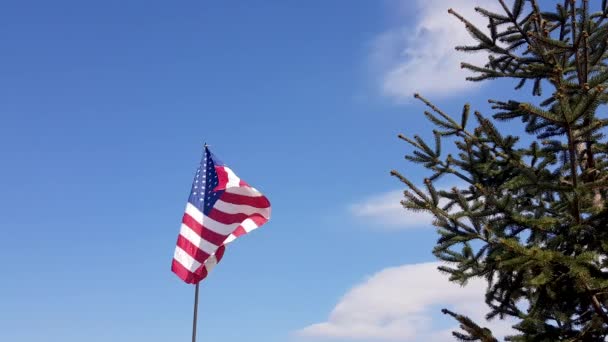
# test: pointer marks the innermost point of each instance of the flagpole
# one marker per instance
(195, 316)
(195, 313)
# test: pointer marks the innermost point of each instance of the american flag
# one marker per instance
(221, 207)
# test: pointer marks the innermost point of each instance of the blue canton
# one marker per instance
(202, 195)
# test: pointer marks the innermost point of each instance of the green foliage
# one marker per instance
(531, 220)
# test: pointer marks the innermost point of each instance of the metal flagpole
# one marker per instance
(195, 313)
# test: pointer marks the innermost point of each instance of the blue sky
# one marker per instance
(105, 107)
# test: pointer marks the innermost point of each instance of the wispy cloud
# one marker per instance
(401, 304)
(386, 211)
(420, 56)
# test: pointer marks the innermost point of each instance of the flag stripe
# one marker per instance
(197, 240)
(226, 218)
(219, 228)
(183, 273)
(192, 250)
(233, 179)
(201, 274)
(245, 199)
(215, 235)
(245, 191)
(196, 214)
(254, 222)
(222, 177)
(186, 260)
(231, 208)
(214, 260)
(247, 226)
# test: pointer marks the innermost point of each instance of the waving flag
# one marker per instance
(221, 207)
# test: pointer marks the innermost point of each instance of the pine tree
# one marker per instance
(531, 219)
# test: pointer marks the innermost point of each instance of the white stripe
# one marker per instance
(244, 191)
(186, 260)
(249, 225)
(210, 263)
(230, 208)
(193, 211)
(196, 240)
(229, 239)
(233, 179)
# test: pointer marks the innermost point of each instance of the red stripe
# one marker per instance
(205, 233)
(192, 223)
(183, 273)
(222, 178)
(192, 249)
(201, 273)
(243, 183)
(225, 218)
(259, 220)
(219, 254)
(256, 202)
(239, 231)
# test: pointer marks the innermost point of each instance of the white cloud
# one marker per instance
(402, 304)
(386, 210)
(421, 57)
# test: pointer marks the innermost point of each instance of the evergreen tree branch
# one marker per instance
(597, 306)
(474, 331)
